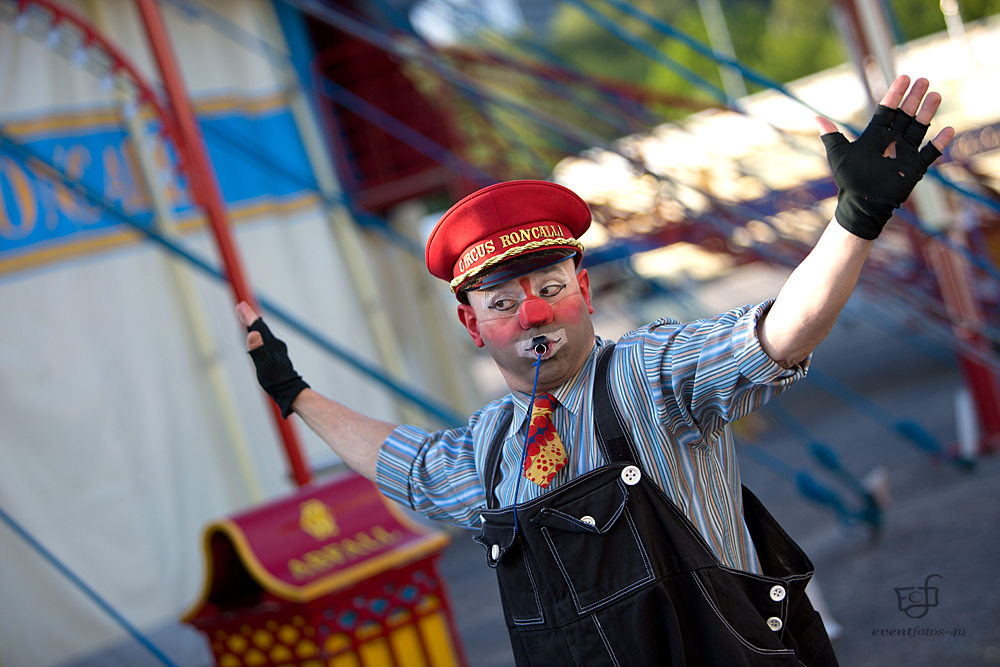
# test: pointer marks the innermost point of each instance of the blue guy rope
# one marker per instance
(827, 457)
(441, 412)
(403, 132)
(247, 148)
(402, 23)
(821, 451)
(907, 428)
(397, 18)
(625, 104)
(85, 588)
(700, 47)
(804, 483)
(648, 50)
(581, 138)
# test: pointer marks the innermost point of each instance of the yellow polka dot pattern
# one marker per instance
(275, 644)
(413, 631)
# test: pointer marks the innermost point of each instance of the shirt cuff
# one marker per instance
(752, 360)
(396, 458)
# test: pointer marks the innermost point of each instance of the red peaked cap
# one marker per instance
(504, 221)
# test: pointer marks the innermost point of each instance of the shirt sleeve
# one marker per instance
(433, 473)
(708, 373)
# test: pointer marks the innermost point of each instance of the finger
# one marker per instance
(254, 340)
(929, 108)
(825, 125)
(917, 92)
(943, 138)
(915, 132)
(246, 313)
(893, 96)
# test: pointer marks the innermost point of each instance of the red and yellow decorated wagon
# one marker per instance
(334, 575)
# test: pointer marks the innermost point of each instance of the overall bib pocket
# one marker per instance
(596, 545)
(505, 553)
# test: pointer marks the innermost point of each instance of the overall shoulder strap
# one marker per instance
(609, 427)
(491, 470)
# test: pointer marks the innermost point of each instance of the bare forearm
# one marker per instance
(813, 296)
(354, 437)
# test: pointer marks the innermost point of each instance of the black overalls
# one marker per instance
(606, 570)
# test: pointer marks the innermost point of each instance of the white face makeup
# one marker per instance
(553, 302)
(552, 284)
(555, 340)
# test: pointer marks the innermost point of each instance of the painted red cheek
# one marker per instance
(501, 333)
(569, 311)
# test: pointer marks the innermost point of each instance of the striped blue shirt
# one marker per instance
(678, 385)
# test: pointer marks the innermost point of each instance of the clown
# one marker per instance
(605, 487)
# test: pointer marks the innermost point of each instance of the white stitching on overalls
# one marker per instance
(650, 575)
(538, 604)
(756, 649)
(604, 639)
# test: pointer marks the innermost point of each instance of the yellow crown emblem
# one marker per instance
(317, 520)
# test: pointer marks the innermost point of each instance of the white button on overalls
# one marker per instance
(631, 475)
(774, 623)
(777, 593)
(589, 520)
(495, 551)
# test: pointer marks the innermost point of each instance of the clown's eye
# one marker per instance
(551, 290)
(503, 304)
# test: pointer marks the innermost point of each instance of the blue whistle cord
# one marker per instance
(527, 429)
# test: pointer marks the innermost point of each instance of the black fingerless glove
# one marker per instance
(872, 186)
(274, 369)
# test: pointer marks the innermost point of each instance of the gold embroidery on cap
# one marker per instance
(475, 253)
(538, 231)
(533, 245)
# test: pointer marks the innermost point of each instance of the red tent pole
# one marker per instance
(205, 190)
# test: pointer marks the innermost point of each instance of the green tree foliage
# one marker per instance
(577, 40)
(917, 18)
(783, 39)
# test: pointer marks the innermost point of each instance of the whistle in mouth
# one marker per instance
(540, 344)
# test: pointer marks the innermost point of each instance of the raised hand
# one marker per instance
(275, 372)
(876, 173)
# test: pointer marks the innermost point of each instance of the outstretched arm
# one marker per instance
(354, 437)
(872, 182)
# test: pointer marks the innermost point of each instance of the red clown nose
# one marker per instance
(534, 312)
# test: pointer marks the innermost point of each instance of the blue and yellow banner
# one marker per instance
(256, 149)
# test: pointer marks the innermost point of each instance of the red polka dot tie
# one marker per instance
(546, 455)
